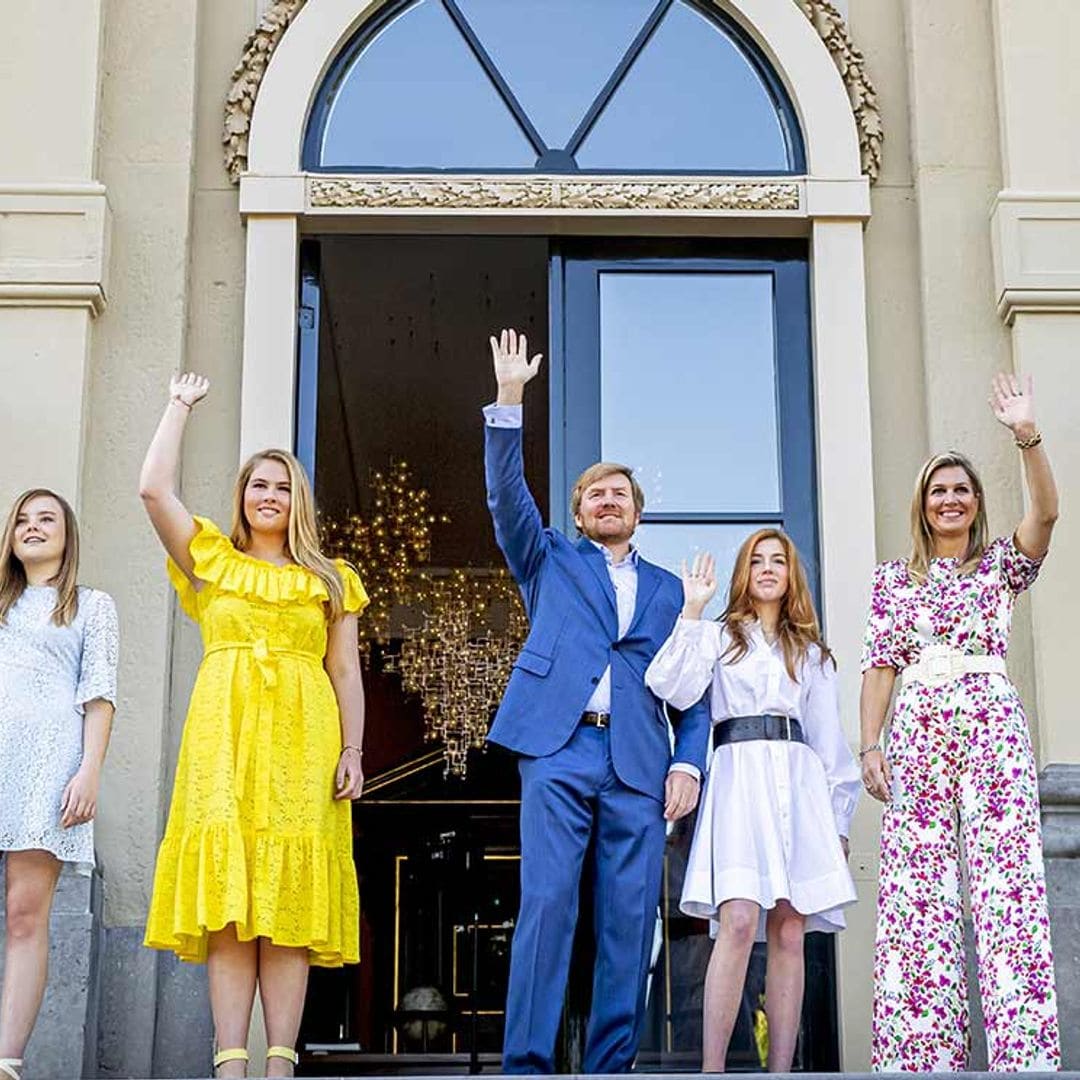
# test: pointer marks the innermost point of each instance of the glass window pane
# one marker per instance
(692, 100)
(668, 544)
(417, 97)
(688, 388)
(556, 55)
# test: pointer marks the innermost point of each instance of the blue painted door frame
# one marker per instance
(575, 370)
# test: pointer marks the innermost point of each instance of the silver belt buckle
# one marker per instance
(787, 727)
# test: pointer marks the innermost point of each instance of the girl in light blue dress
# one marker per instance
(58, 654)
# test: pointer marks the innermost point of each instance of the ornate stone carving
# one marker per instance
(830, 25)
(247, 76)
(550, 193)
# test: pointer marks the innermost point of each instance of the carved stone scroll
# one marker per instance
(832, 29)
(247, 77)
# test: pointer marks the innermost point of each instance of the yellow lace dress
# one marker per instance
(254, 835)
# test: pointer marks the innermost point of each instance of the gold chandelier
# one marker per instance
(459, 630)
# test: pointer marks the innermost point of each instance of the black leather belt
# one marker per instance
(596, 719)
(749, 728)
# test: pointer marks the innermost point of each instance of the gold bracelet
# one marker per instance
(1027, 444)
(348, 747)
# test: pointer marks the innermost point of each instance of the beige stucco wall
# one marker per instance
(1037, 234)
(82, 395)
(145, 155)
(50, 71)
(53, 223)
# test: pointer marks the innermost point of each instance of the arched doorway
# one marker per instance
(431, 188)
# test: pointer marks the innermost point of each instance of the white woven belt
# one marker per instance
(939, 665)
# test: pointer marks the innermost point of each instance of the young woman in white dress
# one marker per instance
(769, 855)
(58, 646)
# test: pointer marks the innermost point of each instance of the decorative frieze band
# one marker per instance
(693, 195)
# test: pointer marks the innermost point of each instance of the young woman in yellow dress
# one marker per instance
(255, 874)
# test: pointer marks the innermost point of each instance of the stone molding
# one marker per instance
(1059, 795)
(1036, 247)
(247, 77)
(692, 195)
(54, 245)
(833, 30)
(45, 294)
(829, 23)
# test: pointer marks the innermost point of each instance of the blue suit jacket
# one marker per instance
(574, 636)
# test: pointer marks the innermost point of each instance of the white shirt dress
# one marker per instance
(770, 820)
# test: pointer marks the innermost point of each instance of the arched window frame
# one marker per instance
(553, 160)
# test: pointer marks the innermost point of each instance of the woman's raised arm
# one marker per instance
(157, 481)
(1013, 403)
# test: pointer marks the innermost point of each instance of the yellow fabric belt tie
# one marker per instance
(255, 738)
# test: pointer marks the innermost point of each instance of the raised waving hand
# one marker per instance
(1012, 399)
(699, 584)
(513, 368)
(188, 389)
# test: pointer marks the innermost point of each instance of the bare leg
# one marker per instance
(724, 979)
(232, 967)
(283, 976)
(31, 884)
(783, 982)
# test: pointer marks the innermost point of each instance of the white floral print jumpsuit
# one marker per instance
(960, 754)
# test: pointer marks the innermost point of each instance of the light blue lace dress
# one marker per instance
(47, 674)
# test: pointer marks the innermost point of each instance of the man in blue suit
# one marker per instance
(594, 752)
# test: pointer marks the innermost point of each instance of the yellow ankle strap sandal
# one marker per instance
(237, 1054)
(10, 1067)
(286, 1052)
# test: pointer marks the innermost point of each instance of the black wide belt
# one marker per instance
(749, 728)
(596, 719)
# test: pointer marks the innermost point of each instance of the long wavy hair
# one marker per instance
(13, 573)
(303, 535)
(922, 536)
(797, 628)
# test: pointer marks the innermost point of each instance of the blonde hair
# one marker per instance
(303, 533)
(13, 573)
(797, 628)
(599, 471)
(922, 536)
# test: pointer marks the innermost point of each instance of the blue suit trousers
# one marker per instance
(567, 798)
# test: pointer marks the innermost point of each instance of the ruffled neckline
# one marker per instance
(219, 563)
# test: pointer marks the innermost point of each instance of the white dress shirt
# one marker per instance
(623, 577)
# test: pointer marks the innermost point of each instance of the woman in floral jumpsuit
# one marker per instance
(959, 765)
